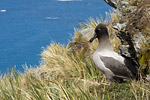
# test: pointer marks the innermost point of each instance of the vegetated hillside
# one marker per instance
(68, 72)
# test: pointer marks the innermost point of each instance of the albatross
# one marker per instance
(115, 67)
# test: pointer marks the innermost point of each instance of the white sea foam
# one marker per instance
(3, 10)
(69, 0)
(52, 17)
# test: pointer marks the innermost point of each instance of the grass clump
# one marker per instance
(62, 76)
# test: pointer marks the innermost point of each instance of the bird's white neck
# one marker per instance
(104, 43)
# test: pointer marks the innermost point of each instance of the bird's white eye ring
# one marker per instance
(99, 29)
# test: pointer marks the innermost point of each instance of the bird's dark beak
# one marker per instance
(94, 37)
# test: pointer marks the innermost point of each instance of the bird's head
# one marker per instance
(100, 30)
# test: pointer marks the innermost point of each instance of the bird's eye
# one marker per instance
(99, 29)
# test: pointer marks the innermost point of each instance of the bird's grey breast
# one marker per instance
(99, 63)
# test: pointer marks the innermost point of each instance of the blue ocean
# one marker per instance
(28, 26)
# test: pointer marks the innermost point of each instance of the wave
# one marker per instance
(52, 17)
(3, 10)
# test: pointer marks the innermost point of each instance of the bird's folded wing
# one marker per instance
(117, 67)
